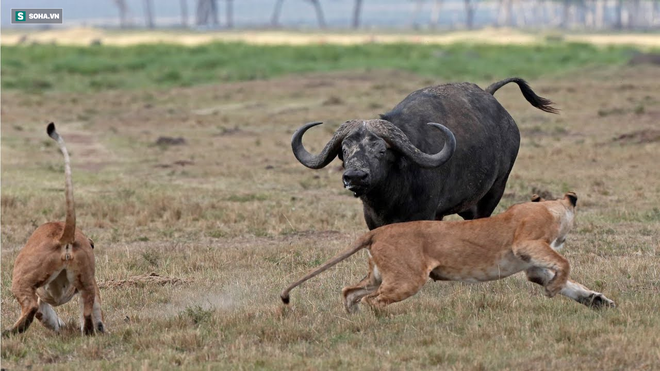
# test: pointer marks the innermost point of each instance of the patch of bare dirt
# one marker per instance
(645, 58)
(181, 163)
(142, 280)
(638, 137)
(233, 132)
(170, 141)
(91, 154)
(333, 100)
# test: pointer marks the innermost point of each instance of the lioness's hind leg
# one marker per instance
(572, 290)
(27, 298)
(402, 276)
(90, 308)
(47, 316)
(541, 255)
(393, 290)
(388, 294)
(353, 294)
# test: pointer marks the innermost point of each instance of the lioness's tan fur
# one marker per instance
(56, 263)
(525, 237)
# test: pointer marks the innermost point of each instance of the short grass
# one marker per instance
(66, 68)
(235, 216)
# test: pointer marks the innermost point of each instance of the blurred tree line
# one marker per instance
(566, 14)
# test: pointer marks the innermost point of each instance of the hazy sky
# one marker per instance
(247, 13)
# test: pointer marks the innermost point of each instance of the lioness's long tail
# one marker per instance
(541, 103)
(358, 245)
(69, 234)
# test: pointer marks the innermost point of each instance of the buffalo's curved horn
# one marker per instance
(327, 154)
(399, 141)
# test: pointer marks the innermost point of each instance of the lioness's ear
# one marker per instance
(572, 197)
(537, 198)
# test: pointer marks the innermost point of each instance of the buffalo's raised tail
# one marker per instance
(539, 102)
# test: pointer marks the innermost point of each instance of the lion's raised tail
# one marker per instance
(69, 233)
(362, 242)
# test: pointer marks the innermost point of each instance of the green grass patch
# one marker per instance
(81, 69)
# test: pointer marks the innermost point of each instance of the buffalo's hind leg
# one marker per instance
(489, 201)
(487, 204)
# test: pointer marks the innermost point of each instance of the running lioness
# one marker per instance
(525, 237)
(56, 263)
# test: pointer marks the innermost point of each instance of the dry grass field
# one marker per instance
(229, 218)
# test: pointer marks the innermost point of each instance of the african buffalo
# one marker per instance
(403, 170)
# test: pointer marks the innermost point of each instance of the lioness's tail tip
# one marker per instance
(51, 131)
(285, 298)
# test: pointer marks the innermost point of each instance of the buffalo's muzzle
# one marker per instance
(356, 181)
(355, 177)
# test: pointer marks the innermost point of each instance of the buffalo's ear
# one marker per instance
(537, 198)
(572, 198)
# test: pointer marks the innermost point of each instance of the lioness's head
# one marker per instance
(570, 197)
(537, 198)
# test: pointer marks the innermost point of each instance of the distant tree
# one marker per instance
(655, 10)
(470, 8)
(435, 13)
(566, 12)
(275, 19)
(207, 12)
(278, 10)
(214, 12)
(634, 16)
(618, 15)
(123, 12)
(230, 13)
(357, 9)
(505, 13)
(419, 4)
(149, 13)
(319, 12)
(599, 14)
(184, 13)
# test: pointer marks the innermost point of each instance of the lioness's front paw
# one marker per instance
(598, 301)
(551, 291)
(350, 307)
